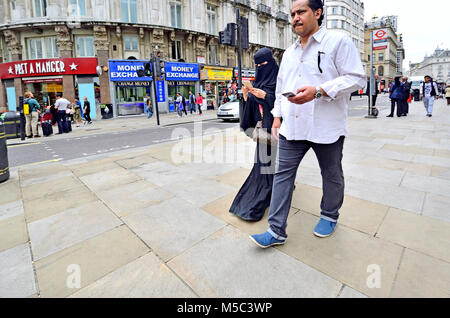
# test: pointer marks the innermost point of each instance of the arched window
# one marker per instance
(381, 71)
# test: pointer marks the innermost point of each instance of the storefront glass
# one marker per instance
(44, 93)
(179, 87)
(130, 100)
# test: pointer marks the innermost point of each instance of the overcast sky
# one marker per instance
(424, 24)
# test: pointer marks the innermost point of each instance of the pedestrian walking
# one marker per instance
(191, 100)
(321, 69)
(87, 110)
(404, 104)
(429, 92)
(31, 115)
(149, 107)
(396, 94)
(77, 112)
(447, 95)
(61, 107)
(183, 101)
(199, 102)
(179, 105)
(253, 198)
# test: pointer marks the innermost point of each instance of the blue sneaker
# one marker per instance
(324, 228)
(266, 240)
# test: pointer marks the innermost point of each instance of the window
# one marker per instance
(212, 54)
(40, 8)
(131, 43)
(175, 13)
(280, 6)
(77, 7)
(42, 48)
(176, 50)
(381, 71)
(380, 57)
(129, 11)
(333, 24)
(85, 46)
(211, 12)
(262, 32)
(280, 38)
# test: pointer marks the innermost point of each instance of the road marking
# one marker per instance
(30, 144)
(40, 162)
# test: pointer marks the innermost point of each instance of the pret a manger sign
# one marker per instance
(47, 67)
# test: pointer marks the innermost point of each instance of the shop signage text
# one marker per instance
(182, 72)
(126, 70)
(160, 92)
(48, 67)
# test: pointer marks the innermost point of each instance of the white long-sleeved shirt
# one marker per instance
(428, 89)
(322, 120)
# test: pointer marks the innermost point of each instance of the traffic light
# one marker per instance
(147, 71)
(159, 68)
(228, 37)
(244, 33)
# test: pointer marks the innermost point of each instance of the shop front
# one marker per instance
(46, 78)
(129, 91)
(215, 82)
(181, 78)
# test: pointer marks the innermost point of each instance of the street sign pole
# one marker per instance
(155, 89)
(239, 48)
(371, 80)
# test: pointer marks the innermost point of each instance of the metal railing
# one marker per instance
(245, 3)
(282, 16)
(262, 8)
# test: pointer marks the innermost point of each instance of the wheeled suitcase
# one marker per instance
(47, 128)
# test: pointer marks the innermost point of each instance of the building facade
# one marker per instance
(388, 54)
(436, 65)
(347, 16)
(181, 31)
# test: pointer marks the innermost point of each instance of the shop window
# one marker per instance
(131, 43)
(129, 10)
(85, 46)
(211, 11)
(176, 13)
(40, 8)
(177, 50)
(42, 48)
(77, 7)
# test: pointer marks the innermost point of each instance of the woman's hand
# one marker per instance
(245, 92)
(259, 93)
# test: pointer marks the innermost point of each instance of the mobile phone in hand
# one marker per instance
(288, 94)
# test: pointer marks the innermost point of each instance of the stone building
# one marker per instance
(176, 30)
(388, 58)
(437, 65)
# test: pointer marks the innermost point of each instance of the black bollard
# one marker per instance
(4, 165)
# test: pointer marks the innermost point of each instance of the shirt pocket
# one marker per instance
(321, 66)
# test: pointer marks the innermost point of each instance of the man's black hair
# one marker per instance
(316, 5)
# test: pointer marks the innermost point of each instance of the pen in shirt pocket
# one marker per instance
(318, 60)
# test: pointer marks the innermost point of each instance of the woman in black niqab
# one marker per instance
(254, 196)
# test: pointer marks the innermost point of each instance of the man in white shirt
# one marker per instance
(321, 69)
(61, 106)
(429, 92)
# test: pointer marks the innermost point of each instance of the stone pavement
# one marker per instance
(154, 222)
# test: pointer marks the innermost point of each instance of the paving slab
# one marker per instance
(440, 172)
(427, 184)
(88, 168)
(348, 292)
(437, 206)
(43, 178)
(61, 201)
(396, 165)
(420, 233)
(10, 191)
(13, 232)
(346, 256)
(49, 188)
(362, 215)
(65, 229)
(228, 264)
(109, 179)
(162, 173)
(172, 227)
(95, 258)
(129, 198)
(422, 276)
(146, 277)
(11, 209)
(16, 273)
(234, 178)
(136, 161)
(26, 173)
(200, 191)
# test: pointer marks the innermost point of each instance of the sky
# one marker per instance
(425, 25)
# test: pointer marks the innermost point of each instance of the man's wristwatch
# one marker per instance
(318, 93)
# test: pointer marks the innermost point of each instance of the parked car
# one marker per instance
(229, 111)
